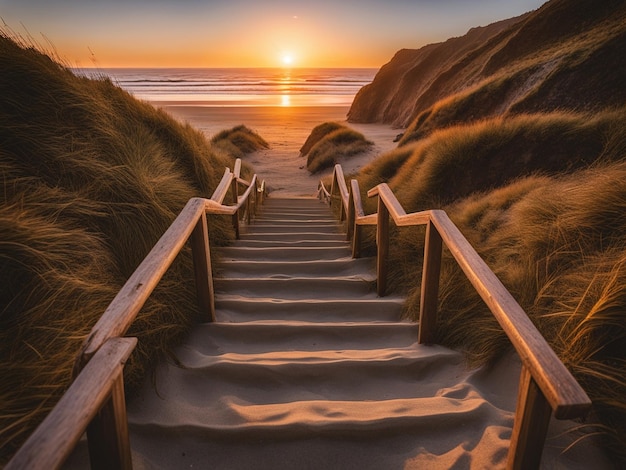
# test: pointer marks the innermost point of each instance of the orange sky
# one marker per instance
(246, 33)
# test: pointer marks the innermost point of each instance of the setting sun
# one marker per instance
(287, 59)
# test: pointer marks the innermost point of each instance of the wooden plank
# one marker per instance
(243, 182)
(55, 438)
(391, 203)
(358, 202)
(237, 168)
(340, 181)
(565, 395)
(246, 194)
(415, 218)
(222, 189)
(367, 219)
(202, 268)
(382, 238)
(123, 309)
(532, 417)
(427, 332)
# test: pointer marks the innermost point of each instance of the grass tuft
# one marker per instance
(239, 141)
(335, 144)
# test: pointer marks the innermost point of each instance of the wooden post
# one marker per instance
(351, 217)
(256, 197)
(202, 267)
(234, 189)
(107, 434)
(532, 417)
(356, 241)
(382, 239)
(430, 286)
(236, 224)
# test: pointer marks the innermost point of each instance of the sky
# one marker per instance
(245, 33)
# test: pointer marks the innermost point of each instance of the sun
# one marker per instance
(287, 60)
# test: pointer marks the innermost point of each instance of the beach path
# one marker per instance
(307, 368)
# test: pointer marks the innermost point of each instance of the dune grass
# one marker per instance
(318, 133)
(239, 141)
(91, 178)
(542, 199)
(330, 142)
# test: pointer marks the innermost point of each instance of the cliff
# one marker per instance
(567, 55)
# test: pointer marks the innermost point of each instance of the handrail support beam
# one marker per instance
(430, 286)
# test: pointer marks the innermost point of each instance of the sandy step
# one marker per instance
(320, 417)
(291, 236)
(286, 244)
(285, 253)
(158, 448)
(295, 202)
(217, 338)
(324, 215)
(285, 377)
(292, 220)
(234, 308)
(293, 228)
(297, 287)
(332, 267)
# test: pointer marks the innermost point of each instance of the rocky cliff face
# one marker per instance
(566, 55)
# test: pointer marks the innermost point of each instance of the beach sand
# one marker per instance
(285, 129)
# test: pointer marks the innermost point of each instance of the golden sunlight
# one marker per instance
(287, 60)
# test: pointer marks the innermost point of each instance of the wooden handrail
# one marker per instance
(57, 435)
(124, 308)
(95, 400)
(222, 188)
(545, 383)
(190, 225)
(546, 386)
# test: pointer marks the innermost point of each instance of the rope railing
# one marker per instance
(546, 386)
(95, 400)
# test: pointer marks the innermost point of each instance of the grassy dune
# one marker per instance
(329, 143)
(542, 199)
(91, 178)
(567, 55)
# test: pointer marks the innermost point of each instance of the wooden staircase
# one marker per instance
(306, 367)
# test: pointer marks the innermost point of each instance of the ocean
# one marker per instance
(240, 87)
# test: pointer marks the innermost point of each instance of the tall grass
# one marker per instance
(542, 199)
(455, 162)
(91, 178)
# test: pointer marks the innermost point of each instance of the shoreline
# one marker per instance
(285, 128)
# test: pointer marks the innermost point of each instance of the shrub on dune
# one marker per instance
(318, 133)
(341, 143)
(239, 141)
